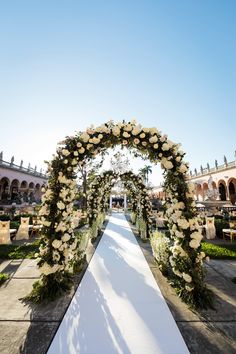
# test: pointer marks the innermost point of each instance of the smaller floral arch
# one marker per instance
(101, 188)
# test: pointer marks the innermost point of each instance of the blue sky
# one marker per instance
(67, 64)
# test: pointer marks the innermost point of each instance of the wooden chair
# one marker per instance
(23, 231)
(5, 232)
(210, 228)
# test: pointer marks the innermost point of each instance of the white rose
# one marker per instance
(96, 141)
(179, 234)
(81, 150)
(165, 147)
(194, 243)
(128, 128)
(66, 237)
(136, 141)
(183, 223)
(85, 137)
(155, 146)
(146, 130)
(196, 236)
(116, 131)
(183, 168)
(135, 131)
(65, 152)
(60, 205)
(142, 135)
(187, 277)
(153, 131)
(79, 144)
(126, 135)
(153, 139)
(168, 165)
(46, 223)
(56, 243)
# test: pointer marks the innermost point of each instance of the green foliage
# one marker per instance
(219, 251)
(3, 278)
(142, 227)
(96, 226)
(221, 224)
(201, 297)
(161, 250)
(14, 224)
(133, 217)
(50, 287)
(18, 252)
(4, 217)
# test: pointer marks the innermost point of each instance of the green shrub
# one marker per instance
(19, 252)
(14, 224)
(3, 278)
(161, 250)
(221, 224)
(133, 217)
(218, 251)
(4, 217)
(97, 225)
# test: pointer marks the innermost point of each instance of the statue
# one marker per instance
(28, 166)
(216, 164)
(195, 171)
(12, 160)
(21, 164)
(225, 161)
(1, 155)
(201, 168)
(210, 183)
(212, 193)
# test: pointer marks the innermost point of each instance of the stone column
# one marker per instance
(125, 202)
(110, 201)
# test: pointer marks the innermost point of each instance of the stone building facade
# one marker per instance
(20, 184)
(216, 183)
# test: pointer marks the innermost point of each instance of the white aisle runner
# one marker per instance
(118, 307)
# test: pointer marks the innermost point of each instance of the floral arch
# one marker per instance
(58, 249)
(101, 189)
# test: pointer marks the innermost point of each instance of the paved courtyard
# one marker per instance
(27, 328)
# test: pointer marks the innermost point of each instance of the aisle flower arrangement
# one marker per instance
(58, 250)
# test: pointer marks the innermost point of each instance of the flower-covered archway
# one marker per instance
(101, 189)
(58, 249)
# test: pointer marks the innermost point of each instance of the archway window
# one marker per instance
(222, 191)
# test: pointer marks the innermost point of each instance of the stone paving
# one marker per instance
(29, 329)
(211, 331)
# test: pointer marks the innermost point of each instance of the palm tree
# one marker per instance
(144, 172)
